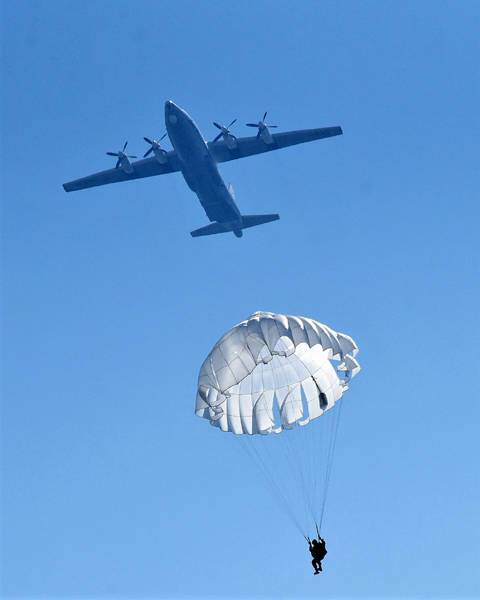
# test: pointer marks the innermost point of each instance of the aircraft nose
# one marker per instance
(171, 111)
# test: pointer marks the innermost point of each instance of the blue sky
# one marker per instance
(111, 486)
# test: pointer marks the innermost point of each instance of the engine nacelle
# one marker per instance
(266, 135)
(126, 165)
(160, 155)
(230, 142)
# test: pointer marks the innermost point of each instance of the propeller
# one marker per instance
(261, 125)
(154, 144)
(224, 131)
(121, 154)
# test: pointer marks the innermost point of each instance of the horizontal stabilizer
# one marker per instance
(235, 226)
(252, 220)
(211, 229)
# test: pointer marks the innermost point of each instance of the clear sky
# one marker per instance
(111, 485)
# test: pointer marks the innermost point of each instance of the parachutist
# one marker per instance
(318, 550)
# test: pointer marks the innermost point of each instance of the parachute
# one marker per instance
(275, 381)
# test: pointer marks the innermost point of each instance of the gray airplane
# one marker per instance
(197, 160)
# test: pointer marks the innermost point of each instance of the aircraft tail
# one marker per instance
(252, 220)
(235, 226)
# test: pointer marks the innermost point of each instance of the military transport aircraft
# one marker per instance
(197, 160)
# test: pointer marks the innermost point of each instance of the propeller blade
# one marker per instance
(234, 121)
(118, 164)
(218, 126)
(149, 151)
(132, 156)
(264, 116)
(217, 138)
(251, 124)
(148, 140)
(258, 134)
(274, 126)
(163, 136)
(112, 153)
(124, 146)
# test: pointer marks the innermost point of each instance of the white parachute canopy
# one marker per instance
(273, 372)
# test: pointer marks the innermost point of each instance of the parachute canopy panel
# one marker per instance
(273, 372)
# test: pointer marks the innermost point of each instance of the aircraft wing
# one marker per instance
(141, 168)
(248, 146)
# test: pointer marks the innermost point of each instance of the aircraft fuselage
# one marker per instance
(199, 168)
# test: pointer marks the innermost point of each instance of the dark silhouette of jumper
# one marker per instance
(318, 550)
